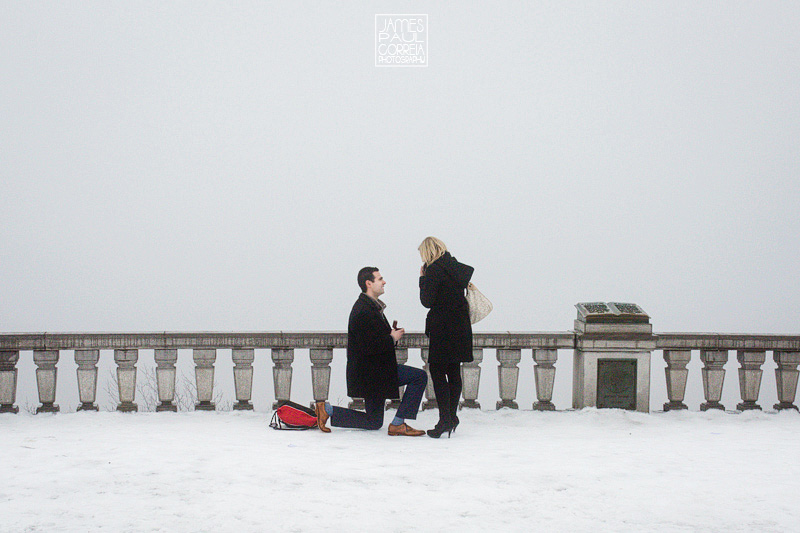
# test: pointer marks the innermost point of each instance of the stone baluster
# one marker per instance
(8, 381)
(282, 374)
(785, 378)
(713, 377)
(204, 359)
(677, 375)
(320, 373)
(243, 377)
(165, 378)
(750, 377)
(401, 355)
(126, 379)
(430, 395)
(471, 379)
(87, 378)
(46, 379)
(508, 376)
(545, 377)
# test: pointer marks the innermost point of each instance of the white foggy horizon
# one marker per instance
(229, 167)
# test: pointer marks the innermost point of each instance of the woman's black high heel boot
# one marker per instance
(453, 416)
(439, 430)
(455, 396)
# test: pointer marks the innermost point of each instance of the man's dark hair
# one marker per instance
(364, 275)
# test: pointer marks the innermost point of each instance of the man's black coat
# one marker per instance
(449, 331)
(371, 362)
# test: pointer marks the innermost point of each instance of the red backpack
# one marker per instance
(290, 415)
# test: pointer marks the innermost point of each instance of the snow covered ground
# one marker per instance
(590, 470)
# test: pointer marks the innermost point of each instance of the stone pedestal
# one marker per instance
(87, 378)
(713, 377)
(544, 374)
(282, 374)
(243, 377)
(401, 355)
(46, 379)
(165, 379)
(585, 376)
(8, 381)
(508, 376)
(750, 377)
(611, 335)
(126, 379)
(677, 375)
(471, 378)
(204, 359)
(430, 395)
(786, 378)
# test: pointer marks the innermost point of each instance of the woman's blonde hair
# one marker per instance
(431, 249)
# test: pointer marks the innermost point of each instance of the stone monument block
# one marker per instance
(611, 364)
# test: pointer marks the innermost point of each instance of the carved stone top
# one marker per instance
(611, 312)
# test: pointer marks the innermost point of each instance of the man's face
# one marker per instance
(375, 287)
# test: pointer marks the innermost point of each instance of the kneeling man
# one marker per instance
(372, 369)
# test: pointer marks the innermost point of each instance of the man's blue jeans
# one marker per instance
(413, 378)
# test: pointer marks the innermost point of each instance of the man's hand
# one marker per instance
(397, 334)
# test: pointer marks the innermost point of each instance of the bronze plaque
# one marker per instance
(616, 383)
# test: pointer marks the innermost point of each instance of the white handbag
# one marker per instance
(479, 305)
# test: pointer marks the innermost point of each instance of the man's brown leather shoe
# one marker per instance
(322, 416)
(405, 430)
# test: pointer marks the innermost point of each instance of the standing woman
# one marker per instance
(442, 282)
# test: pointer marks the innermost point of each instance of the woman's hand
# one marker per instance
(422, 270)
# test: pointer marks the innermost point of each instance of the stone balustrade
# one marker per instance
(714, 350)
(539, 349)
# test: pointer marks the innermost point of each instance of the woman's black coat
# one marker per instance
(371, 362)
(441, 290)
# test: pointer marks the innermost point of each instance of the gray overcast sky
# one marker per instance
(230, 166)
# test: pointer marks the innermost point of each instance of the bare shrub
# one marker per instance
(147, 392)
